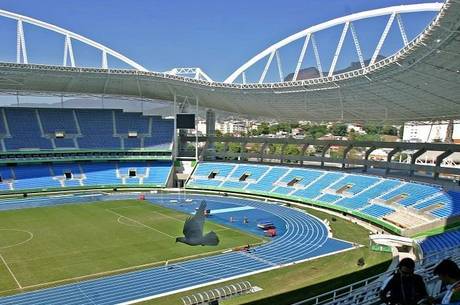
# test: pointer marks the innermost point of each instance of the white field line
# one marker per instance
(140, 223)
(11, 272)
(121, 270)
(171, 217)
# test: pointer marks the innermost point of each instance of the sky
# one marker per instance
(217, 36)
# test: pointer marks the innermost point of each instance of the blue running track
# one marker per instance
(300, 237)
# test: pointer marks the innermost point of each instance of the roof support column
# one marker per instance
(414, 158)
(439, 160)
(389, 157)
(345, 155)
(323, 153)
(283, 151)
(366, 157)
(302, 153)
(262, 151)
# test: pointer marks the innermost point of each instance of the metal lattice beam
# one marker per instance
(21, 48)
(392, 11)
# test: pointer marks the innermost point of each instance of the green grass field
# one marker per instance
(54, 245)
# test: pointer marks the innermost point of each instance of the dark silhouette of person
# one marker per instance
(404, 287)
(449, 273)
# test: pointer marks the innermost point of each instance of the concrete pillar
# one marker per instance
(211, 133)
(450, 132)
(413, 158)
(366, 156)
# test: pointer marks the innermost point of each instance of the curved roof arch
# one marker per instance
(400, 9)
(69, 35)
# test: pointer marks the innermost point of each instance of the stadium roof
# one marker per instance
(419, 82)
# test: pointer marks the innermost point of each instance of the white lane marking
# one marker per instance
(11, 272)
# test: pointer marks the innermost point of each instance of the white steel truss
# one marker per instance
(393, 12)
(21, 51)
(195, 73)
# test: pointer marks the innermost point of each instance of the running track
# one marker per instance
(303, 237)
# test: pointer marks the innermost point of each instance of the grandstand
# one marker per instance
(127, 165)
(395, 203)
(58, 129)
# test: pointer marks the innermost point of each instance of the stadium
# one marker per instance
(94, 196)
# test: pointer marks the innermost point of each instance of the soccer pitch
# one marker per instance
(54, 245)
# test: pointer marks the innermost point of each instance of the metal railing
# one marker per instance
(218, 294)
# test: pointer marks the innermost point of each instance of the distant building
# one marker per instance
(428, 132)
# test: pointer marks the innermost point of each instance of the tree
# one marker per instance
(389, 130)
(338, 130)
(234, 147)
(372, 129)
(263, 128)
(401, 131)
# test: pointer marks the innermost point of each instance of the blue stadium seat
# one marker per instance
(363, 198)
(131, 121)
(440, 242)
(158, 173)
(414, 192)
(357, 183)
(58, 120)
(315, 189)
(35, 129)
(162, 134)
(265, 184)
(377, 210)
(33, 177)
(25, 130)
(100, 174)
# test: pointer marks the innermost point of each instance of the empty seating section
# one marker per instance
(162, 134)
(234, 184)
(131, 143)
(440, 242)
(254, 172)
(282, 190)
(37, 128)
(158, 173)
(6, 174)
(23, 126)
(100, 174)
(221, 169)
(58, 120)
(265, 183)
(411, 193)
(72, 170)
(314, 189)
(451, 207)
(329, 198)
(202, 173)
(33, 177)
(363, 198)
(128, 122)
(304, 176)
(56, 175)
(377, 210)
(140, 168)
(329, 187)
(356, 183)
(64, 143)
(97, 127)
